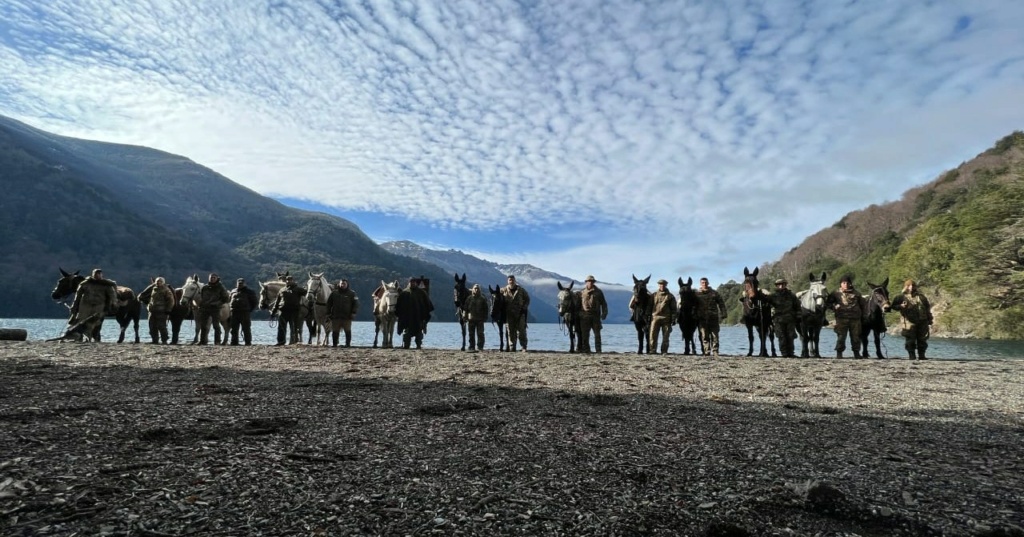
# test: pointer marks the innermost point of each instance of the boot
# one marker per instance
(348, 339)
(920, 355)
(839, 354)
(913, 355)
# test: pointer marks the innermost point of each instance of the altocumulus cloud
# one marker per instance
(757, 121)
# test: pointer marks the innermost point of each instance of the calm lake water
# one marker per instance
(551, 337)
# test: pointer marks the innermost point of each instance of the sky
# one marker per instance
(676, 138)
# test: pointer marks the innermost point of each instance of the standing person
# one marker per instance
(916, 313)
(710, 309)
(593, 310)
(663, 315)
(477, 309)
(413, 311)
(161, 302)
(517, 308)
(289, 307)
(850, 309)
(95, 298)
(243, 302)
(785, 315)
(342, 305)
(212, 297)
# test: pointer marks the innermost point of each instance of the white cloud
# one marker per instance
(735, 124)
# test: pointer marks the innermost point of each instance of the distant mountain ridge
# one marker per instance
(541, 284)
(138, 212)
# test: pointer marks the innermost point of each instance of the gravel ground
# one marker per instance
(106, 439)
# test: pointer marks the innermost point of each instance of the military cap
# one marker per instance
(847, 279)
(663, 281)
(96, 272)
(590, 278)
(781, 281)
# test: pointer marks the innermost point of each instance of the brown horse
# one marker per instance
(757, 313)
(129, 309)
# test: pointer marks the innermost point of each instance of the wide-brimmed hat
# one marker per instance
(590, 278)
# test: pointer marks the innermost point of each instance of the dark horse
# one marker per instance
(688, 316)
(812, 316)
(642, 306)
(874, 318)
(569, 305)
(461, 293)
(499, 316)
(128, 305)
(757, 313)
(178, 313)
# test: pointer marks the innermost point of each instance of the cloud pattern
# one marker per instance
(710, 133)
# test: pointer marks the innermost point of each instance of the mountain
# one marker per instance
(541, 284)
(961, 237)
(138, 212)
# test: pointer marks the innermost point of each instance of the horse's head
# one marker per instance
(497, 304)
(267, 295)
(566, 298)
(751, 286)
(879, 296)
(640, 286)
(190, 290)
(67, 284)
(461, 291)
(813, 299)
(386, 298)
(317, 288)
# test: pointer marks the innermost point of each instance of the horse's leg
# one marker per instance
(771, 339)
(750, 339)
(878, 345)
(462, 325)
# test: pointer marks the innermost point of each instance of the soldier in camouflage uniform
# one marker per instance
(664, 311)
(785, 315)
(95, 297)
(850, 308)
(517, 305)
(916, 312)
(593, 310)
(710, 308)
(477, 310)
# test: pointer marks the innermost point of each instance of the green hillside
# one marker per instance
(961, 237)
(137, 212)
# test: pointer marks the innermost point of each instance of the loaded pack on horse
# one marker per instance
(812, 316)
(126, 307)
(874, 318)
(641, 304)
(499, 316)
(757, 313)
(385, 299)
(191, 297)
(460, 294)
(570, 304)
(688, 316)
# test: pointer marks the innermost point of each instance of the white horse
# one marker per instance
(191, 291)
(385, 298)
(318, 289)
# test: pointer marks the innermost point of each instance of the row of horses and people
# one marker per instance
(766, 315)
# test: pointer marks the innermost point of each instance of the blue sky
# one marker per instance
(679, 138)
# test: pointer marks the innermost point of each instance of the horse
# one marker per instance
(191, 290)
(385, 298)
(460, 294)
(874, 318)
(268, 295)
(569, 305)
(688, 316)
(642, 306)
(177, 314)
(318, 289)
(499, 316)
(757, 313)
(129, 309)
(812, 316)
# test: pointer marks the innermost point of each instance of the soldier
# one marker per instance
(413, 311)
(161, 302)
(243, 302)
(94, 298)
(916, 313)
(593, 310)
(850, 309)
(664, 311)
(710, 309)
(785, 314)
(477, 310)
(289, 306)
(212, 297)
(342, 305)
(517, 306)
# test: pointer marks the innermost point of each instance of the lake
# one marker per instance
(551, 337)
